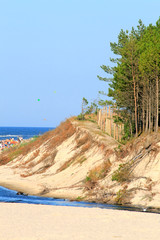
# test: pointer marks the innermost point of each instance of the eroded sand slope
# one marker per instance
(78, 161)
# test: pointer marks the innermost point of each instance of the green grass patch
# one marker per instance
(97, 173)
(122, 174)
(79, 198)
(121, 196)
(80, 159)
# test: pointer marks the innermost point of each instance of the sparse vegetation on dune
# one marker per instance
(74, 157)
(54, 138)
(121, 196)
(97, 173)
(122, 174)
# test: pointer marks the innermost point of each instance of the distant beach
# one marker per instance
(10, 136)
(24, 132)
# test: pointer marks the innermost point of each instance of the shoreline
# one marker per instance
(134, 208)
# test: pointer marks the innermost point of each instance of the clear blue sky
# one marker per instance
(59, 45)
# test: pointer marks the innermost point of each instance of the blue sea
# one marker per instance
(25, 132)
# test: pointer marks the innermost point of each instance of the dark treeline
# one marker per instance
(135, 85)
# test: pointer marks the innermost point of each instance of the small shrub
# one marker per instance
(80, 117)
(89, 183)
(79, 198)
(91, 120)
(96, 174)
(88, 179)
(121, 196)
(101, 171)
(122, 173)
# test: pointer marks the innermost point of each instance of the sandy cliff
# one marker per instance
(79, 161)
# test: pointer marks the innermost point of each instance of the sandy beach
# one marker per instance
(39, 222)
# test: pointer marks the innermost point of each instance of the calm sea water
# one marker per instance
(7, 195)
(25, 132)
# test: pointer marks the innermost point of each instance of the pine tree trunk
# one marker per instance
(147, 116)
(135, 106)
(157, 104)
(152, 107)
(149, 113)
(143, 115)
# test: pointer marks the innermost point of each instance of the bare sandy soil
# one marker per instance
(38, 222)
(58, 171)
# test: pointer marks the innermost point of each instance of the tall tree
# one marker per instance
(136, 76)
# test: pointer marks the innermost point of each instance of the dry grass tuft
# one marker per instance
(84, 142)
(102, 146)
(4, 159)
(54, 138)
(80, 160)
(81, 140)
(97, 173)
(31, 164)
(122, 174)
(66, 165)
(108, 152)
(45, 156)
(25, 175)
(122, 196)
(64, 131)
(48, 161)
(36, 153)
(86, 147)
(100, 171)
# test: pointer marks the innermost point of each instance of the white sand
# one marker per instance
(39, 222)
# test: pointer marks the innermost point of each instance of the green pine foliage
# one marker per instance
(135, 83)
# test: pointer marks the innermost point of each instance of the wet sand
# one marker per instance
(39, 222)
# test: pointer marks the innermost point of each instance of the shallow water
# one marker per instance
(11, 196)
